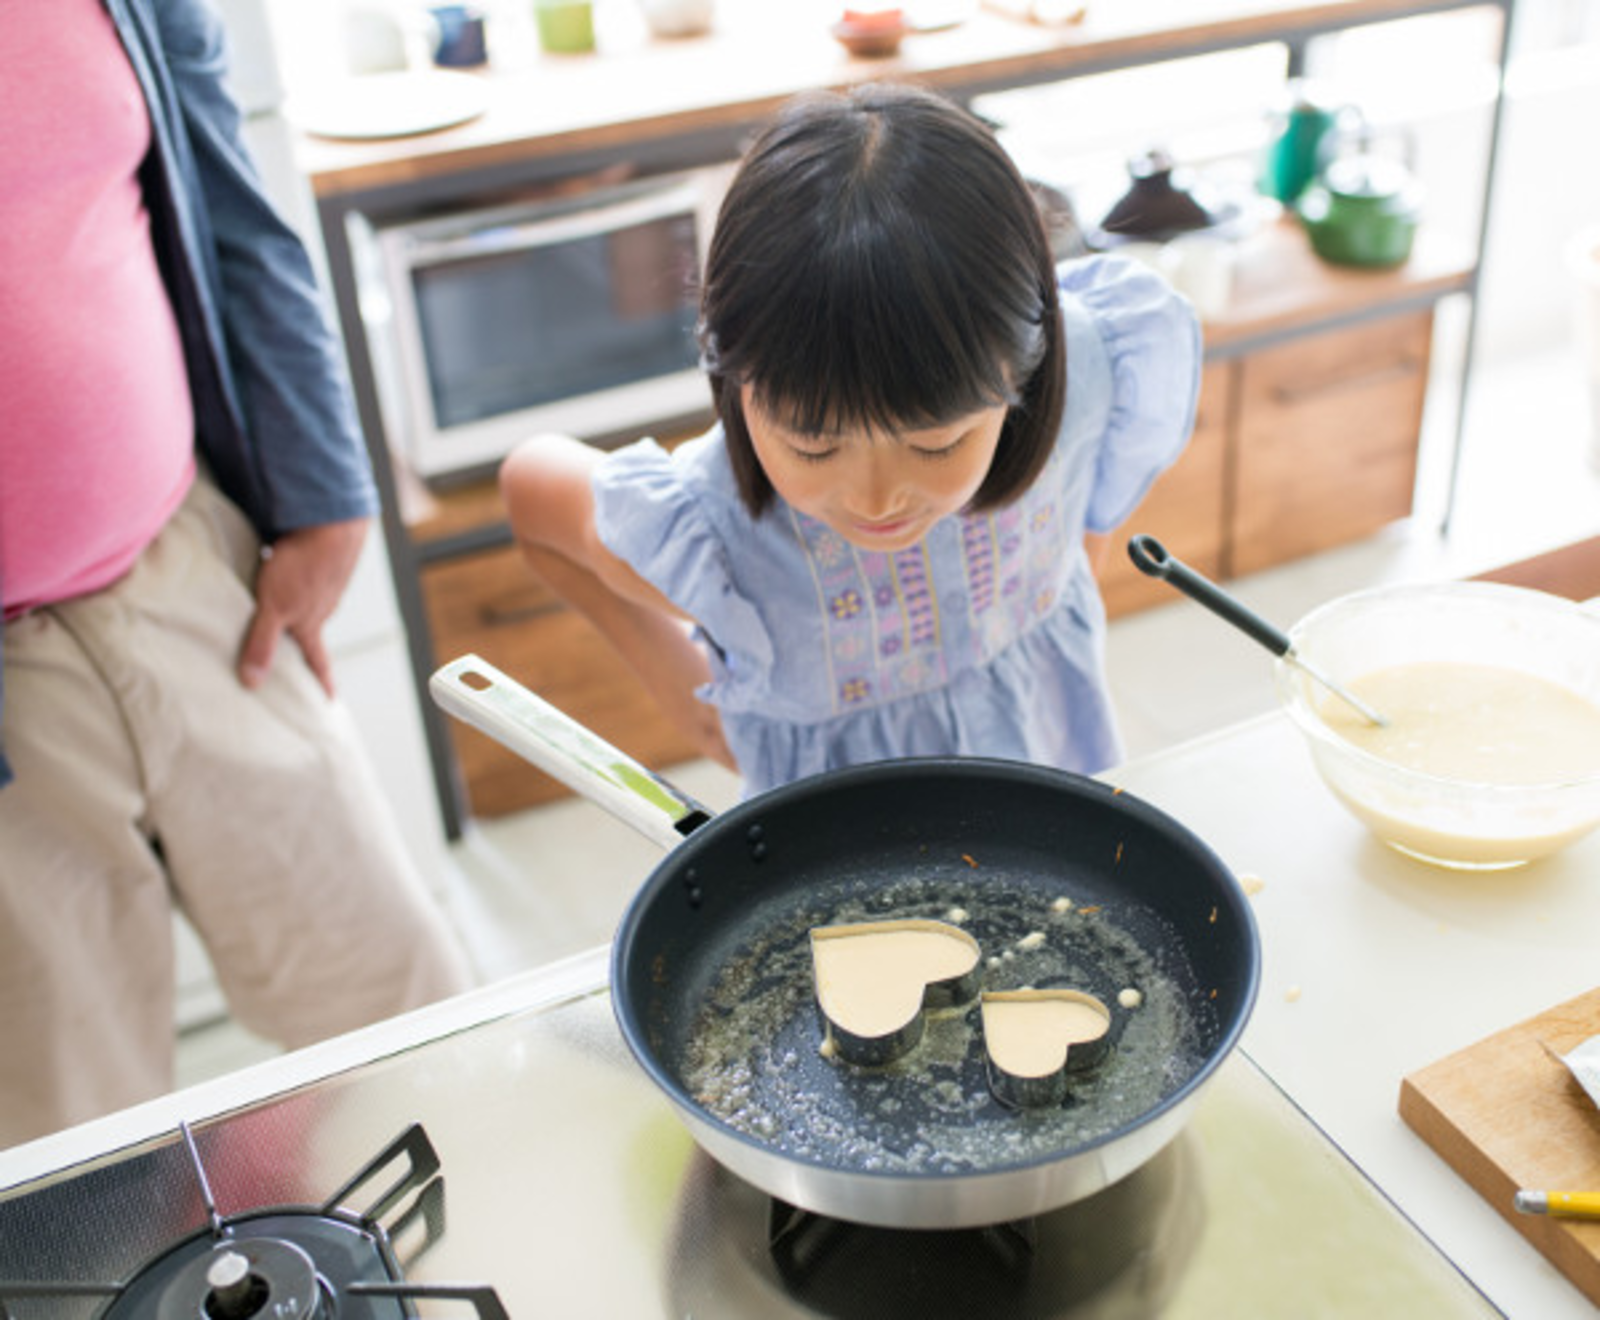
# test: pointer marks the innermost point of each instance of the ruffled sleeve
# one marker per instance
(660, 512)
(1151, 336)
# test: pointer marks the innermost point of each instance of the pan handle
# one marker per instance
(478, 694)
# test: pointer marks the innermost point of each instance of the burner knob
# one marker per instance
(232, 1286)
(246, 1279)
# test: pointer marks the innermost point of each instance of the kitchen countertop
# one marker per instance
(569, 1186)
(1374, 966)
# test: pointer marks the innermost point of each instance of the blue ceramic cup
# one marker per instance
(461, 37)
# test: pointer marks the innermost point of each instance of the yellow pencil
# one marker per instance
(1559, 1205)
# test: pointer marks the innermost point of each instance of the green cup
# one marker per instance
(566, 27)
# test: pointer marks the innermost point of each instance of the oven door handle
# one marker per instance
(577, 220)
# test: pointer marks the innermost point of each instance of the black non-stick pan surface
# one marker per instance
(1063, 880)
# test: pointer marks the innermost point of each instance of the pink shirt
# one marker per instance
(96, 425)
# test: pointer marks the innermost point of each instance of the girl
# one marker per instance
(879, 550)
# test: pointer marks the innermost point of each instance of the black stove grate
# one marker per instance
(845, 1269)
(313, 1262)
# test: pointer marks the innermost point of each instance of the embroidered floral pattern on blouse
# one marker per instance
(921, 609)
(1014, 560)
(977, 547)
(1045, 558)
(881, 621)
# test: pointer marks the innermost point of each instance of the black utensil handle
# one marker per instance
(1150, 557)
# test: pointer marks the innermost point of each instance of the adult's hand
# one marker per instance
(302, 577)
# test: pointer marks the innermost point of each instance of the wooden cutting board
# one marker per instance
(1506, 1114)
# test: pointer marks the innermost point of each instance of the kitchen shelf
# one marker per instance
(636, 93)
(662, 105)
(1281, 287)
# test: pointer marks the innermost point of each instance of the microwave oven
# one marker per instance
(574, 312)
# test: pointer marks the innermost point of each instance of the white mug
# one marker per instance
(383, 38)
(1200, 266)
(677, 18)
(1145, 253)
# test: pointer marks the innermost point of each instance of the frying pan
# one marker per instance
(1062, 879)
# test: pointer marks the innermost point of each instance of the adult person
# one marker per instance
(183, 497)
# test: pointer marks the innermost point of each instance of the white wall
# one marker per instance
(1547, 190)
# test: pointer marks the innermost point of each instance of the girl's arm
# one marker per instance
(548, 499)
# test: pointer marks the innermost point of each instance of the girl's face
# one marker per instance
(879, 491)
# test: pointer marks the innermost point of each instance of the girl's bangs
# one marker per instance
(880, 355)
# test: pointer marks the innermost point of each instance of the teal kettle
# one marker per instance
(1362, 210)
(1303, 134)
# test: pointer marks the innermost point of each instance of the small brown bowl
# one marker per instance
(869, 40)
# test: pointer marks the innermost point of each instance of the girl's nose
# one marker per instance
(875, 491)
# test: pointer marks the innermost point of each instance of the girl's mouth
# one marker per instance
(889, 527)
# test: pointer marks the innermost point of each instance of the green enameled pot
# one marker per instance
(1362, 211)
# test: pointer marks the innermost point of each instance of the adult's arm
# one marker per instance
(295, 461)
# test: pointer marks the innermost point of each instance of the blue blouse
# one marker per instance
(986, 637)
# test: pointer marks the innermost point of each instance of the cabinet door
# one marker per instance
(1184, 509)
(489, 604)
(1326, 448)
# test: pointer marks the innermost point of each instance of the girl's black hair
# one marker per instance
(880, 262)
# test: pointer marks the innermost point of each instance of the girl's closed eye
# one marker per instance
(934, 452)
(812, 450)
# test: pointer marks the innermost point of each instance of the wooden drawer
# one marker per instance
(1326, 442)
(491, 605)
(1184, 509)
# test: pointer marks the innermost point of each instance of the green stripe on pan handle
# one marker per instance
(1151, 558)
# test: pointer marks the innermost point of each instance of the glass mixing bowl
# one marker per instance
(1479, 821)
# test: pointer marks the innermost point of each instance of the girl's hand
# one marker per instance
(680, 669)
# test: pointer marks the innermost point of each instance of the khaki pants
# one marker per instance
(148, 777)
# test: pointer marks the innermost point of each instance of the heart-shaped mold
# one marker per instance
(1035, 1038)
(875, 979)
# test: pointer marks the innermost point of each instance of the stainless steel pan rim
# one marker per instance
(968, 1200)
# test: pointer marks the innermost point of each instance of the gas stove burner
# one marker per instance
(989, 1263)
(273, 1266)
(238, 1280)
(735, 1252)
(323, 1262)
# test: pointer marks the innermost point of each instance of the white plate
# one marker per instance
(385, 105)
(935, 15)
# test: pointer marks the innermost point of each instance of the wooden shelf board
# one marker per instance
(635, 91)
(1281, 285)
